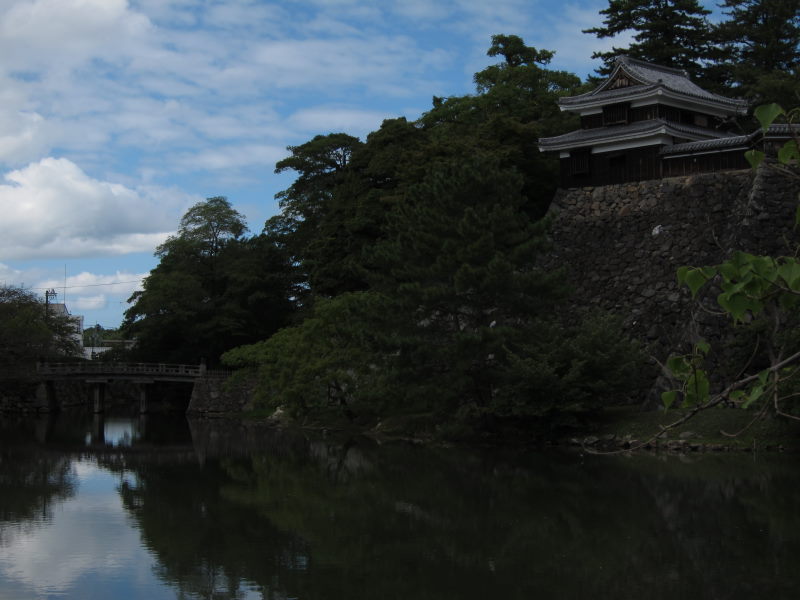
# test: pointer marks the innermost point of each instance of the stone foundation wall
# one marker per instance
(40, 397)
(622, 245)
(213, 396)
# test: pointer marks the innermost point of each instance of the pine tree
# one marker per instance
(460, 264)
(758, 49)
(671, 33)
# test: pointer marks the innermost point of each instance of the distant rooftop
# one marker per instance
(58, 308)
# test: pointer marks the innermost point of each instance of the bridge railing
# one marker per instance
(101, 368)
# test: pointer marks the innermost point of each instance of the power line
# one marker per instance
(69, 287)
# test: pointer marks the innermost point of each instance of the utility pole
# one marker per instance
(48, 294)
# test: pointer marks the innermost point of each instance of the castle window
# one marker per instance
(643, 113)
(579, 162)
(670, 113)
(615, 114)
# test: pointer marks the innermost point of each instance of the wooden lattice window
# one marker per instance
(643, 113)
(615, 114)
(579, 162)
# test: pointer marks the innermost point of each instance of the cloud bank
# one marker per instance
(51, 208)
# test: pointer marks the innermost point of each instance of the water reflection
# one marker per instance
(115, 431)
(248, 512)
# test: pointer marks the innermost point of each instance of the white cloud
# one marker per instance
(51, 208)
(232, 156)
(10, 276)
(393, 63)
(86, 78)
(573, 47)
(92, 289)
(53, 559)
(423, 10)
(90, 302)
(83, 292)
(59, 34)
(324, 120)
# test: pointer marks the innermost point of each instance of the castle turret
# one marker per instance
(640, 122)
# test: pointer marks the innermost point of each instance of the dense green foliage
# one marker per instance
(97, 334)
(757, 50)
(30, 332)
(418, 256)
(211, 291)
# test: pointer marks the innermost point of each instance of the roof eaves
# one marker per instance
(585, 137)
(629, 60)
(589, 136)
(728, 144)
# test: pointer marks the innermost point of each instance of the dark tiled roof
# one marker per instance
(632, 90)
(639, 128)
(781, 130)
(650, 77)
(777, 130)
(737, 141)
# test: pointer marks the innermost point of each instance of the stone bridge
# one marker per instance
(99, 374)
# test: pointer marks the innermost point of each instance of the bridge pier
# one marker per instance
(46, 399)
(144, 396)
(97, 395)
(98, 435)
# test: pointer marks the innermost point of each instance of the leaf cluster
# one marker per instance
(758, 292)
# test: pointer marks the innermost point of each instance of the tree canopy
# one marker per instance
(753, 52)
(30, 332)
(671, 33)
(758, 50)
(212, 289)
(206, 227)
(420, 252)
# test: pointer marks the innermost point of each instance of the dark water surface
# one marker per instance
(160, 508)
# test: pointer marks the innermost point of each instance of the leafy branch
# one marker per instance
(750, 286)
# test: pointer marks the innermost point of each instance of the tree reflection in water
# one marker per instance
(246, 512)
(31, 480)
(291, 516)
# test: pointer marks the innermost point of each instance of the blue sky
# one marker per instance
(117, 115)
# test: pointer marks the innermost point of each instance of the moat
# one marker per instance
(161, 507)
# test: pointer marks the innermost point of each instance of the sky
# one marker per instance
(116, 116)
